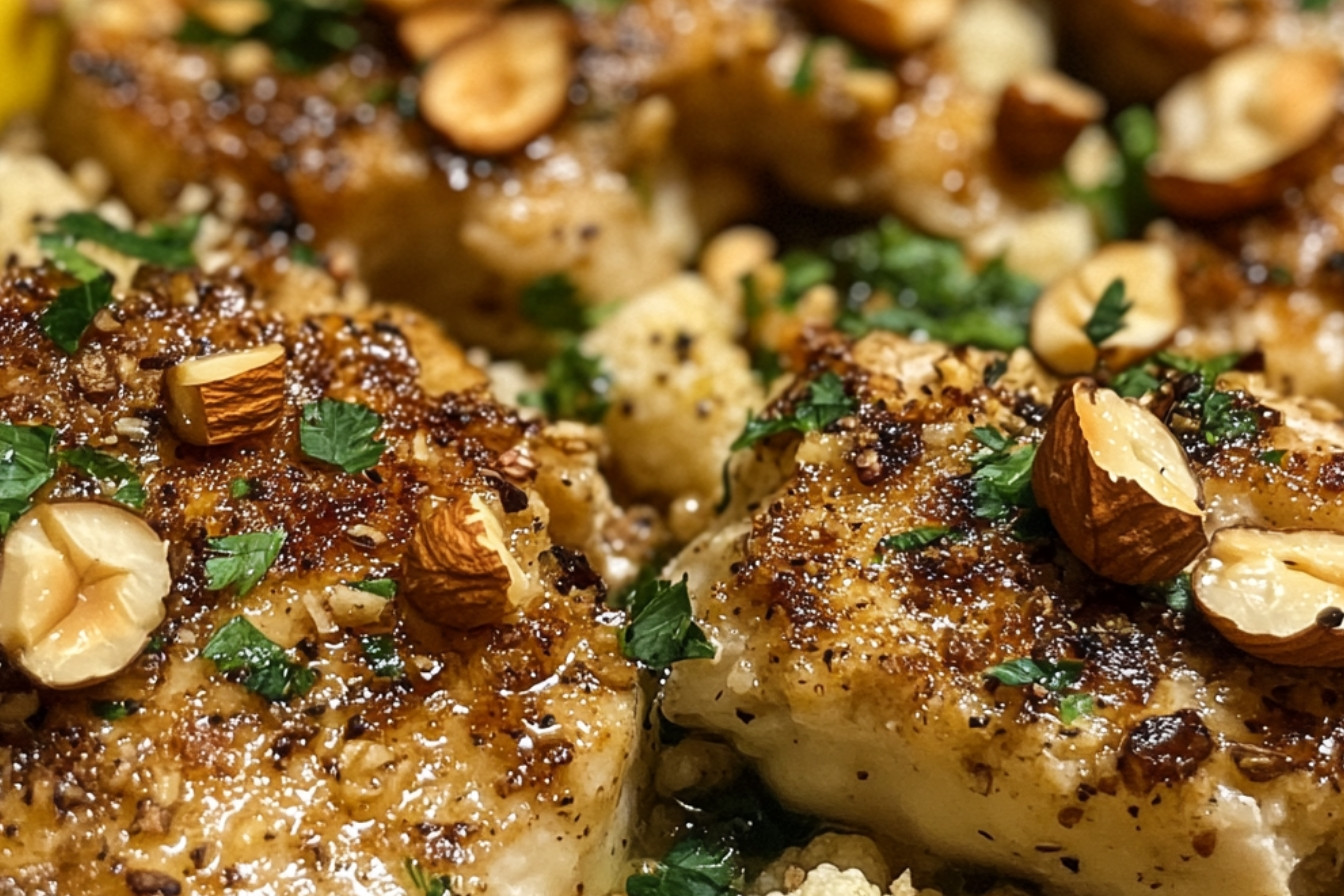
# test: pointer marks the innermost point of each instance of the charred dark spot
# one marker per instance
(512, 498)
(885, 449)
(576, 573)
(1259, 763)
(1330, 617)
(1164, 750)
(1331, 473)
(152, 883)
(1204, 843)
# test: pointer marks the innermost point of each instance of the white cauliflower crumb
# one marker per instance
(840, 851)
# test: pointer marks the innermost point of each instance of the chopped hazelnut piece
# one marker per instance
(81, 590)
(1156, 309)
(888, 26)
(458, 570)
(1117, 487)
(1230, 137)
(227, 396)
(1278, 595)
(429, 30)
(1040, 114)
(496, 90)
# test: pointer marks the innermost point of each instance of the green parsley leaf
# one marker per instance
(1001, 475)
(552, 303)
(438, 885)
(113, 710)
(73, 309)
(804, 79)
(243, 560)
(690, 868)
(1108, 318)
(1177, 592)
(26, 464)
(995, 370)
(576, 387)
(340, 433)
(69, 259)
(1135, 382)
(895, 279)
(304, 254)
(1073, 707)
(265, 667)
(1051, 675)
(916, 539)
(1224, 420)
(380, 652)
(129, 489)
(1122, 204)
(802, 271)
(661, 630)
(384, 588)
(167, 245)
(1313, 5)
(304, 34)
(1273, 458)
(240, 488)
(825, 403)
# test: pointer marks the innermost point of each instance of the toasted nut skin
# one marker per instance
(81, 590)
(1276, 594)
(1040, 114)
(1236, 135)
(1157, 310)
(887, 26)
(1117, 487)
(496, 90)
(227, 396)
(457, 570)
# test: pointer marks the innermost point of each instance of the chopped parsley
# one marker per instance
(26, 464)
(1273, 458)
(380, 652)
(240, 488)
(915, 539)
(113, 710)
(995, 370)
(1176, 593)
(264, 667)
(70, 313)
(661, 630)
(241, 560)
(1225, 420)
(304, 34)
(69, 259)
(1108, 318)
(690, 868)
(304, 254)
(552, 303)
(167, 245)
(1314, 5)
(1122, 203)
(1135, 382)
(437, 885)
(107, 468)
(802, 271)
(1001, 474)
(824, 404)
(384, 588)
(893, 278)
(1055, 676)
(340, 433)
(576, 387)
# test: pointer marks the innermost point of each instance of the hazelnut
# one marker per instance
(81, 590)
(1117, 487)
(888, 26)
(226, 396)
(458, 571)
(495, 90)
(1231, 137)
(1040, 114)
(1278, 595)
(1156, 311)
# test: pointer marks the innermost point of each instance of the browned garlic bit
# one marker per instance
(1157, 309)
(226, 396)
(81, 590)
(888, 26)
(458, 570)
(495, 90)
(1278, 595)
(1040, 114)
(1117, 486)
(1230, 137)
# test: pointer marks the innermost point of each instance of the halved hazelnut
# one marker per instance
(1230, 137)
(81, 590)
(887, 26)
(496, 90)
(1156, 309)
(1117, 487)
(227, 396)
(1040, 114)
(1278, 595)
(458, 571)
(429, 30)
